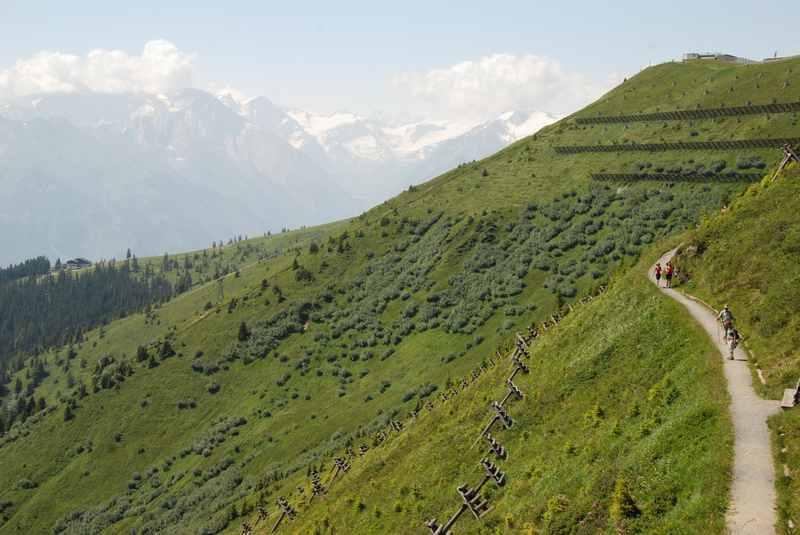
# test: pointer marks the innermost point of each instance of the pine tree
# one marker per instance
(244, 332)
(166, 350)
(68, 415)
(128, 254)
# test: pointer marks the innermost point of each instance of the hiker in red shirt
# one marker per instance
(670, 271)
(658, 273)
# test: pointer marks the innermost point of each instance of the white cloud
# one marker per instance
(161, 67)
(500, 82)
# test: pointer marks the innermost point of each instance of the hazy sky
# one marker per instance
(441, 58)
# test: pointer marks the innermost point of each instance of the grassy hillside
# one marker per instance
(175, 420)
(639, 399)
(749, 258)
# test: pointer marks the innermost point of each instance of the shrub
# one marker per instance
(717, 166)
(750, 162)
(25, 484)
(566, 290)
(427, 390)
(623, 506)
(213, 388)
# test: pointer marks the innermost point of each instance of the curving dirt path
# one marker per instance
(752, 506)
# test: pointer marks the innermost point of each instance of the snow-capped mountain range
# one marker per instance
(373, 160)
(93, 174)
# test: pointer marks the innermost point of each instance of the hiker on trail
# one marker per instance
(669, 272)
(658, 273)
(726, 317)
(733, 340)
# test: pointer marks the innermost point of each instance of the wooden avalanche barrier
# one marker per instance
(688, 115)
(471, 498)
(672, 177)
(774, 143)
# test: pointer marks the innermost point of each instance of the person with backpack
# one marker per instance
(658, 273)
(733, 341)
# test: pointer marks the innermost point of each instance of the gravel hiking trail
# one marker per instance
(752, 501)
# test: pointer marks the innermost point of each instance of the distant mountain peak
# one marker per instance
(260, 165)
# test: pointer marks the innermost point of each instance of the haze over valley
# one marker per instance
(92, 174)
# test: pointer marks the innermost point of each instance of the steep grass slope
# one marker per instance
(626, 388)
(749, 258)
(174, 420)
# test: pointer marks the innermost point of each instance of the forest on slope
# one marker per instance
(183, 419)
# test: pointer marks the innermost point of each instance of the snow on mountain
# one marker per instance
(374, 160)
(411, 139)
(321, 125)
(370, 139)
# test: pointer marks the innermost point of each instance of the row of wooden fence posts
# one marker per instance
(699, 113)
(470, 497)
(679, 145)
(342, 464)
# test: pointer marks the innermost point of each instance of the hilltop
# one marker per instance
(340, 330)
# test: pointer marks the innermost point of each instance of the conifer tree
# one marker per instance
(244, 332)
(166, 350)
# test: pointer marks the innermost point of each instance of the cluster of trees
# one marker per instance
(57, 308)
(22, 402)
(32, 267)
